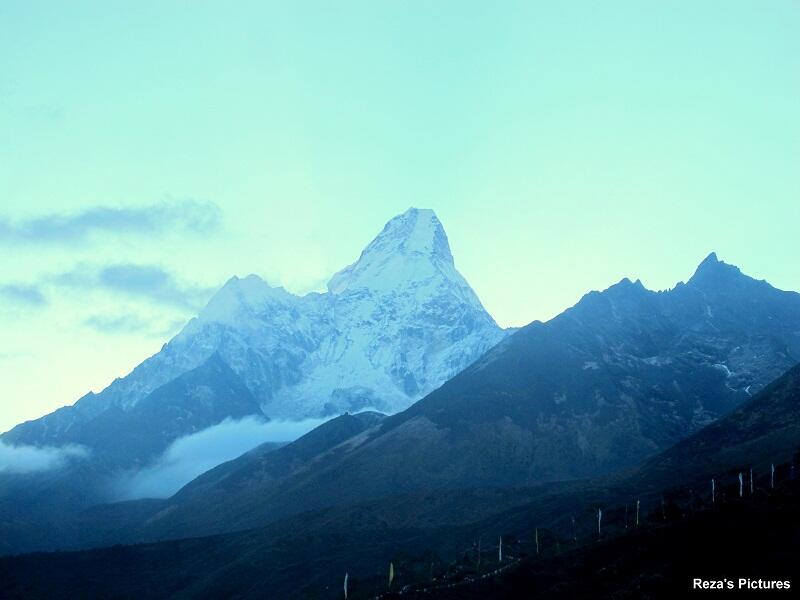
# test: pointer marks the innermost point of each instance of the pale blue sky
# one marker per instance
(150, 150)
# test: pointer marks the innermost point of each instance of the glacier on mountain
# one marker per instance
(393, 326)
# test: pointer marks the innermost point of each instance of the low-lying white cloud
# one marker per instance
(191, 455)
(33, 459)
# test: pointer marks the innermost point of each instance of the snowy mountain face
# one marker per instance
(393, 326)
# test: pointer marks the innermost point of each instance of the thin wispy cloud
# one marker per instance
(194, 454)
(33, 459)
(148, 282)
(189, 216)
(29, 295)
(14, 355)
(115, 324)
(132, 325)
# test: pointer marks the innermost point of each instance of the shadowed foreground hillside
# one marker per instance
(753, 539)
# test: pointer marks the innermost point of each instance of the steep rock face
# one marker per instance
(621, 375)
(396, 324)
(392, 327)
(762, 432)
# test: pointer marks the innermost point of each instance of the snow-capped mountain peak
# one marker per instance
(416, 231)
(242, 296)
(411, 246)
